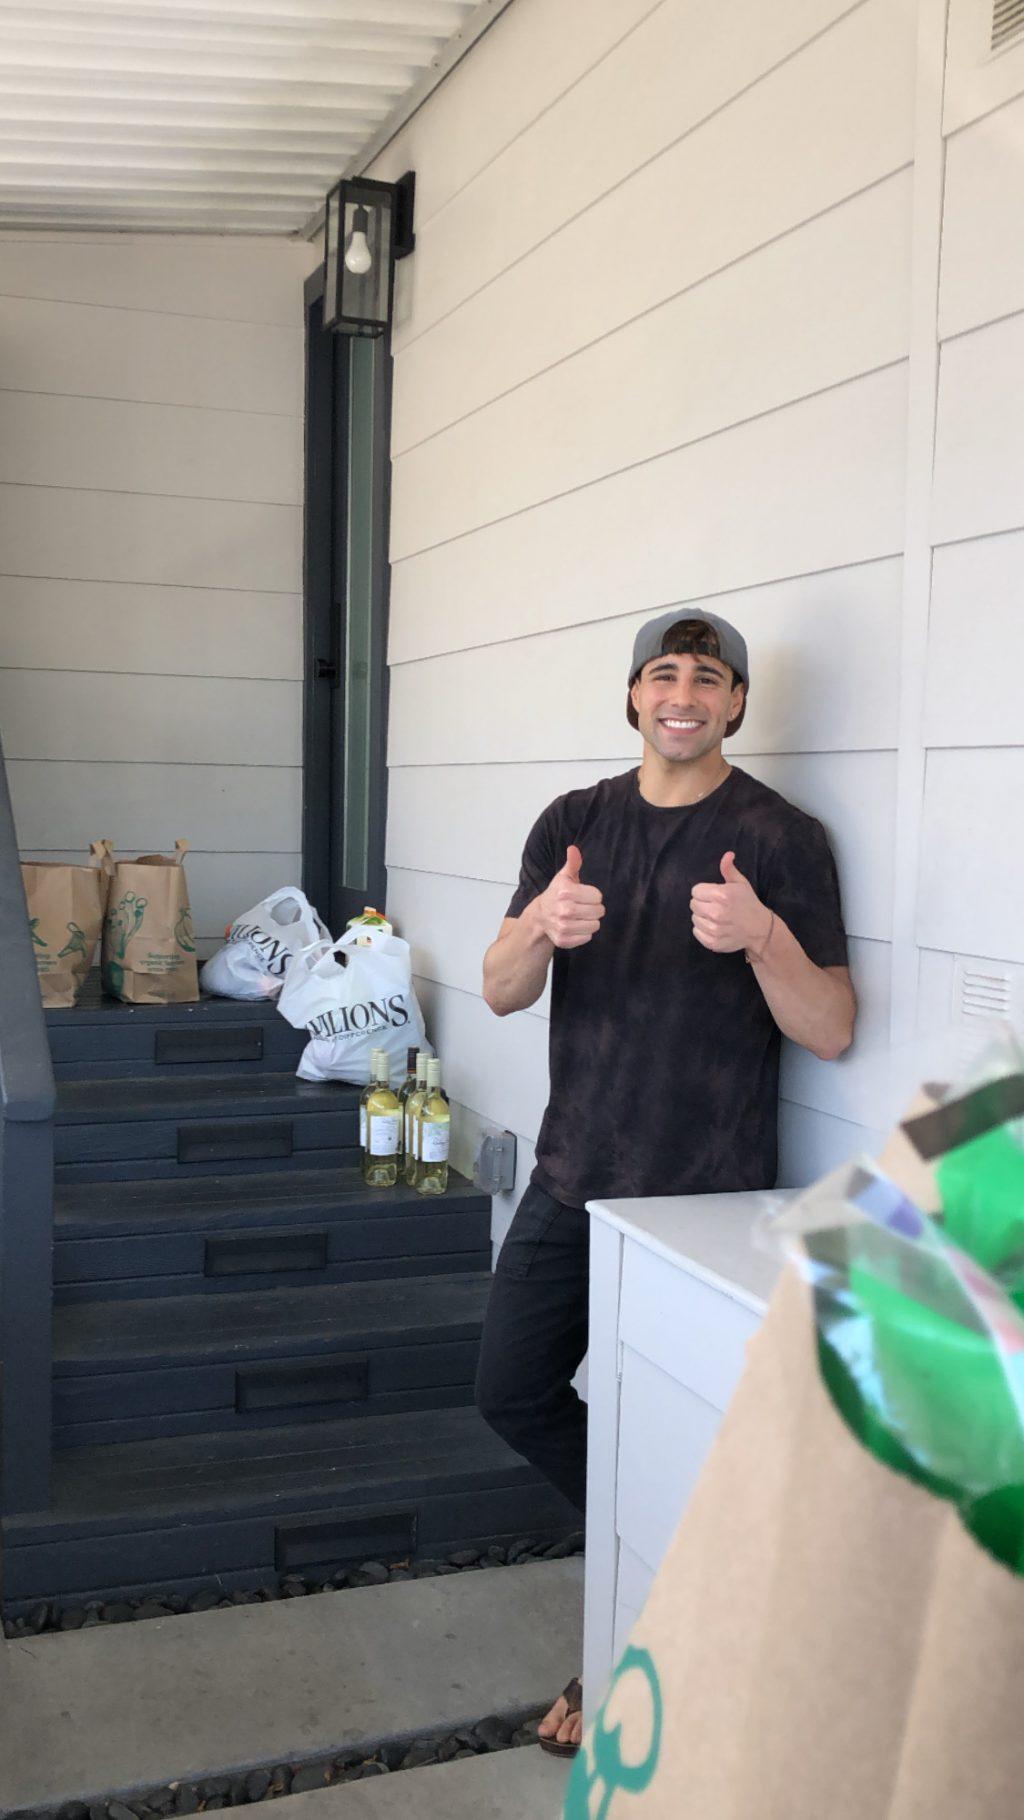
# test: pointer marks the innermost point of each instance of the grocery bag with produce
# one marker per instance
(149, 953)
(66, 906)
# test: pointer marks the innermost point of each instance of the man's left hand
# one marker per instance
(729, 916)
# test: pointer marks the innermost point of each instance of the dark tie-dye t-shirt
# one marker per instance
(664, 1055)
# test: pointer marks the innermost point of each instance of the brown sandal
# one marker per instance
(573, 1697)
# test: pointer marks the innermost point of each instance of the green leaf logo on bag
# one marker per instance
(39, 940)
(76, 942)
(183, 932)
(124, 920)
(601, 1758)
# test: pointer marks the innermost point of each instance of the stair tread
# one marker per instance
(249, 1324)
(115, 1208)
(95, 1005)
(198, 1097)
(99, 1487)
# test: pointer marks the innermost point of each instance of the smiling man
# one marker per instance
(693, 917)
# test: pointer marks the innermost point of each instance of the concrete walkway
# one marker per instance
(524, 1784)
(122, 1708)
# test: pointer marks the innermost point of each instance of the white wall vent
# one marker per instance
(985, 993)
(1007, 22)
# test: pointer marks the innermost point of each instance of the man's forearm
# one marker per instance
(814, 1006)
(516, 965)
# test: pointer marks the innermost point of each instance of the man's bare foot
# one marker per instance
(561, 1729)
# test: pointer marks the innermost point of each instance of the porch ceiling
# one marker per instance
(218, 116)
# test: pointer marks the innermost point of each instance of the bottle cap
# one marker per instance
(434, 1071)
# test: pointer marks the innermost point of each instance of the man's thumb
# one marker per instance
(730, 870)
(573, 864)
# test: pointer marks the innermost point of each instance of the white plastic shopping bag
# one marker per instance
(261, 946)
(352, 996)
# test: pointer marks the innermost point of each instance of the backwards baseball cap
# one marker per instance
(723, 641)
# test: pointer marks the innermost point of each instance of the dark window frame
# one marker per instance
(323, 702)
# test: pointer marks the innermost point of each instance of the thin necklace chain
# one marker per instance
(720, 779)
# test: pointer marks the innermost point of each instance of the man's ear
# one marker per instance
(737, 709)
(634, 692)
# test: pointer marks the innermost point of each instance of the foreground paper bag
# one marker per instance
(823, 1642)
(66, 905)
(149, 955)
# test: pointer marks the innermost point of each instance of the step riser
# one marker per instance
(236, 1258)
(321, 1383)
(90, 1434)
(248, 1579)
(140, 1055)
(359, 1270)
(251, 1141)
(307, 1536)
(164, 1169)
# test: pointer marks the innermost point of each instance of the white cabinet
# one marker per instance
(677, 1288)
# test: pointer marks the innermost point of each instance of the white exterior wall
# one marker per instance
(652, 349)
(150, 548)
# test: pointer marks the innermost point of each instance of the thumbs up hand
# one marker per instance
(729, 916)
(570, 912)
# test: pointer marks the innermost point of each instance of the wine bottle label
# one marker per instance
(362, 1127)
(435, 1142)
(408, 1130)
(384, 1129)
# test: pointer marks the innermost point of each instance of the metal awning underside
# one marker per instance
(206, 116)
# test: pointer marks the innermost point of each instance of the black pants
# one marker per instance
(535, 1334)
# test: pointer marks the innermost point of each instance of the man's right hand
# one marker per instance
(568, 912)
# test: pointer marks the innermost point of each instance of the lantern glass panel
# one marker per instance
(331, 257)
(366, 235)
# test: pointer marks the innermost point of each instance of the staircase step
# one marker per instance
(122, 1130)
(221, 1234)
(306, 1498)
(298, 1679)
(101, 1038)
(129, 1370)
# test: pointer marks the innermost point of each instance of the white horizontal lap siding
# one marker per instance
(535, 54)
(150, 528)
(822, 305)
(122, 446)
(651, 352)
(103, 626)
(813, 644)
(971, 866)
(816, 485)
(982, 274)
(565, 239)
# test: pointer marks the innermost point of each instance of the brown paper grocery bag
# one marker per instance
(149, 953)
(824, 1641)
(66, 906)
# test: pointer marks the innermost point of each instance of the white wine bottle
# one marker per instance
(412, 1108)
(363, 1097)
(404, 1091)
(383, 1129)
(434, 1135)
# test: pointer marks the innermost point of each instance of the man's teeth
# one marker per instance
(681, 723)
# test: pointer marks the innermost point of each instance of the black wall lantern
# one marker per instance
(367, 226)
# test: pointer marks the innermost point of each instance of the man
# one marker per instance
(692, 914)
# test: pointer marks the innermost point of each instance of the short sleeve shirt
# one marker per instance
(664, 1056)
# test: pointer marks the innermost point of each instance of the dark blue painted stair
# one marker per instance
(260, 1365)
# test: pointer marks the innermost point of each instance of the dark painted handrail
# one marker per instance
(27, 1098)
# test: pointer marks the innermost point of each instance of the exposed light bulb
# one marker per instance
(358, 257)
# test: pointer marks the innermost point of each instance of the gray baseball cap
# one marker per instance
(732, 647)
(732, 650)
